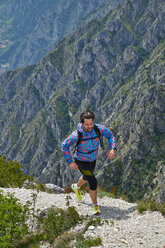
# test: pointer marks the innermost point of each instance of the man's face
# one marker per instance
(88, 125)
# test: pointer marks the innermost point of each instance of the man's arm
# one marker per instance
(73, 138)
(111, 140)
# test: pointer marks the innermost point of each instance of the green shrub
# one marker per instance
(150, 205)
(13, 218)
(89, 242)
(30, 241)
(58, 221)
(78, 237)
(11, 173)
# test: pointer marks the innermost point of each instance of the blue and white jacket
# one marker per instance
(87, 150)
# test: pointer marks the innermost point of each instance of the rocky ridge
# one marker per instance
(114, 66)
(48, 23)
(123, 227)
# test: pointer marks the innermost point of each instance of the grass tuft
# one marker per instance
(149, 205)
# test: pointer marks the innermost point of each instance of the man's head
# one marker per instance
(87, 118)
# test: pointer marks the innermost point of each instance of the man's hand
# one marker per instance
(73, 166)
(111, 154)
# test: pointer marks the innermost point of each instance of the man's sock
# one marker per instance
(76, 186)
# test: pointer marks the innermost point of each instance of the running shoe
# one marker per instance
(77, 191)
(96, 210)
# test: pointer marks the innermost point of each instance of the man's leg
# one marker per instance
(81, 182)
(93, 192)
(88, 175)
(92, 182)
(93, 195)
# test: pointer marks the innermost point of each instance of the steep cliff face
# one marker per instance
(115, 67)
(30, 29)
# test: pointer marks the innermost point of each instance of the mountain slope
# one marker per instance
(115, 67)
(30, 29)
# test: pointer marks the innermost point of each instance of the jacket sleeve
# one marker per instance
(73, 138)
(109, 135)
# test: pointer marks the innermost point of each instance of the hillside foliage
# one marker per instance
(11, 173)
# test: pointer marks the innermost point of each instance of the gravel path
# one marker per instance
(124, 226)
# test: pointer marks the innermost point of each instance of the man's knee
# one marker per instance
(92, 183)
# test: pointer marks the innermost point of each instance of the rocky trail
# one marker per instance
(124, 226)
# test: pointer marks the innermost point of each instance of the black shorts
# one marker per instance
(87, 169)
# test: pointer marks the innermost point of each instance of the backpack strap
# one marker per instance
(79, 138)
(97, 131)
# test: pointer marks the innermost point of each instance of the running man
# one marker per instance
(87, 139)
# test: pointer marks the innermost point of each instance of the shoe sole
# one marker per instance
(97, 213)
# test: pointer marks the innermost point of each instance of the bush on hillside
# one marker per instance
(58, 221)
(13, 218)
(11, 173)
